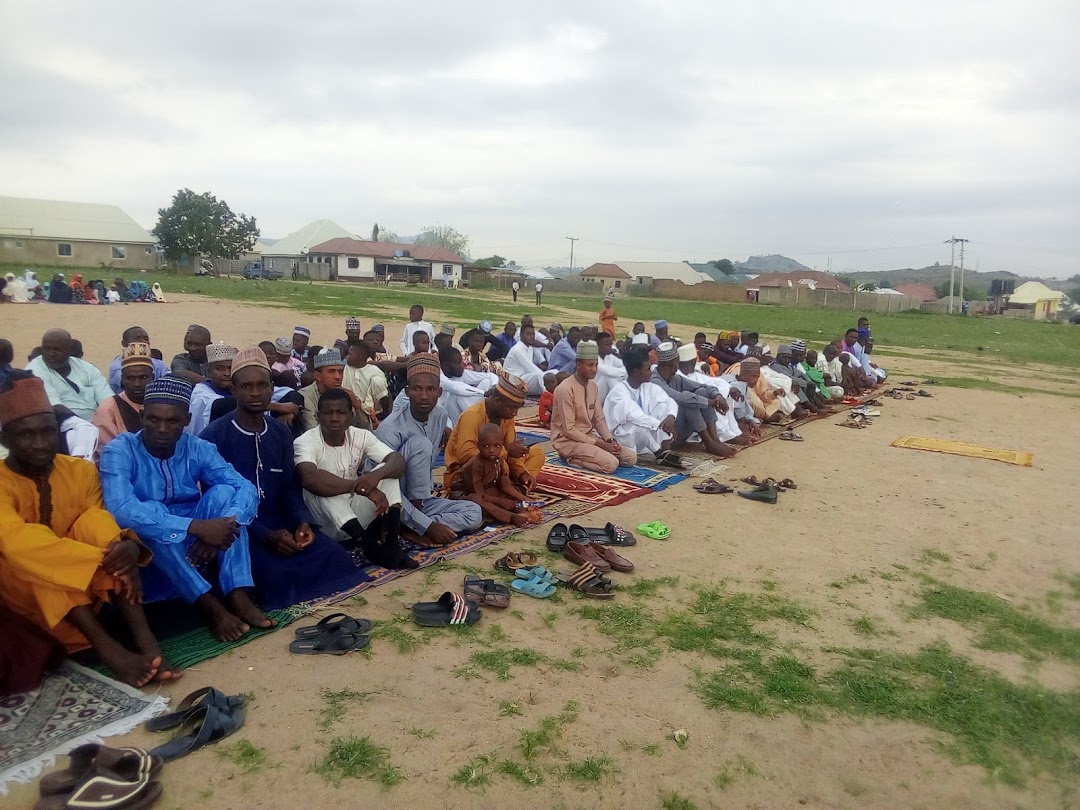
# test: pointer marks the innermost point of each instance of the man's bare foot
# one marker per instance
(240, 605)
(742, 439)
(134, 669)
(224, 625)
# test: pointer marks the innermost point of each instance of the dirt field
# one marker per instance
(855, 541)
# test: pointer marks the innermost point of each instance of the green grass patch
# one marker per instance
(510, 708)
(247, 757)
(932, 555)
(501, 661)
(1001, 626)
(866, 626)
(526, 774)
(590, 769)
(1071, 580)
(474, 774)
(648, 588)
(422, 733)
(396, 631)
(734, 770)
(988, 384)
(357, 758)
(848, 581)
(334, 703)
(676, 801)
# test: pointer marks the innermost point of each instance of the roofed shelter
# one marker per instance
(58, 233)
(1036, 296)
(609, 275)
(352, 259)
(290, 253)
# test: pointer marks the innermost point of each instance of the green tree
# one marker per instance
(202, 225)
(1074, 296)
(942, 289)
(445, 237)
(725, 266)
(491, 261)
(1075, 279)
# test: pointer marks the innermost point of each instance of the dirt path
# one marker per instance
(862, 508)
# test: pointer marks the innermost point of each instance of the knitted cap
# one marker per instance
(427, 363)
(27, 397)
(168, 390)
(328, 357)
(218, 352)
(708, 348)
(252, 356)
(660, 325)
(302, 330)
(512, 388)
(687, 353)
(798, 345)
(667, 351)
(283, 345)
(750, 362)
(352, 324)
(136, 354)
(447, 329)
(640, 340)
(586, 350)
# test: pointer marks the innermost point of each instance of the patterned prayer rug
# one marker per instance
(532, 424)
(1018, 457)
(73, 706)
(579, 485)
(528, 438)
(654, 479)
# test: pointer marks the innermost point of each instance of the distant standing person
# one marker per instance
(539, 292)
(514, 290)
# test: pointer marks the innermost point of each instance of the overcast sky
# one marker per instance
(654, 130)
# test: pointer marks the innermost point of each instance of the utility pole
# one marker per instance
(952, 268)
(962, 242)
(572, 240)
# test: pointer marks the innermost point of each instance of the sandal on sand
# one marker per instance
(791, 436)
(922, 393)
(207, 696)
(335, 622)
(666, 458)
(533, 587)
(772, 482)
(711, 486)
(590, 582)
(787, 483)
(512, 560)
(451, 609)
(205, 726)
(616, 561)
(854, 425)
(127, 764)
(486, 592)
(656, 530)
(535, 572)
(334, 642)
(557, 538)
(611, 535)
(751, 480)
(104, 790)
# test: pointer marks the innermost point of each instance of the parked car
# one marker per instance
(255, 270)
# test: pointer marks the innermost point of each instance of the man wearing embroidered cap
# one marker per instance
(660, 334)
(445, 336)
(500, 407)
(329, 373)
(122, 413)
(300, 349)
(579, 431)
(189, 506)
(61, 554)
(697, 404)
(217, 385)
(291, 562)
(285, 363)
(133, 334)
(727, 425)
(417, 431)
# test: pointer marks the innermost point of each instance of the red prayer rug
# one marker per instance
(580, 485)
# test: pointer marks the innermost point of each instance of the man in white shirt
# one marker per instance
(519, 361)
(609, 370)
(539, 292)
(514, 290)
(69, 382)
(727, 427)
(416, 324)
(361, 508)
(639, 413)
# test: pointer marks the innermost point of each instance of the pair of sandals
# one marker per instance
(782, 485)
(204, 717)
(610, 535)
(654, 530)
(451, 610)
(710, 486)
(487, 592)
(513, 560)
(589, 581)
(337, 634)
(600, 556)
(791, 436)
(103, 778)
(535, 581)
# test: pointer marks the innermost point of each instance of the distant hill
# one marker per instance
(975, 283)
(770, 264)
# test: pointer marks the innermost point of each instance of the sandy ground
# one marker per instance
(862, 507)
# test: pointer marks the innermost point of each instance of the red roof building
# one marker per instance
(924, 292)
(362, 260)
(811, 279)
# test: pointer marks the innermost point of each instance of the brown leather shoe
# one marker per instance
(614, 559)
(581, 553)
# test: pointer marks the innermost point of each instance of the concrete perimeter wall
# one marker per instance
(831, 299)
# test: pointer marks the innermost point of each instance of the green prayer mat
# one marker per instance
(195, 646)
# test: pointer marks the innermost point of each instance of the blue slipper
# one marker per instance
(533, 587)
(535, 572)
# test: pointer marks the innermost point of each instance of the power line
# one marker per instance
(572, 240)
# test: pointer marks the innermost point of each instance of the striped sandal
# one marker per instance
(588, 580)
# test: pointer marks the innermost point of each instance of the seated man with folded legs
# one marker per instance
(291, 562)
(416, 432)
(727, 426)
(579, 432)
(61, 554)
(697, 404)
(362, 509)
(640, 414)
(189, 506)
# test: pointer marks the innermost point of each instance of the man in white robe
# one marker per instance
(727, 427)
(639, 413)
(782, 385)
(519, 362)
(416, 324)
(610, 370)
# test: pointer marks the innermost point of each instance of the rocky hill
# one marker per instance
(769, 264)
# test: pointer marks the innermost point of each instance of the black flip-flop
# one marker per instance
(579, 533)
(558, 537)
(666, 458)
(335, 622)
(612, 535)
(451, 609)
(333, 642)
(711, 487)
(204, 726)
(207, 696)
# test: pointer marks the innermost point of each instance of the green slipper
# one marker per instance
(656, 530)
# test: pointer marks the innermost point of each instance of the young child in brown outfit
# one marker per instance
(485, 480)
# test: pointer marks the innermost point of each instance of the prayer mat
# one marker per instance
(1021, 458)
(532, 424)
(73, 706)
(579, 485)
(195, 646)
(528, 438)
(655, 479)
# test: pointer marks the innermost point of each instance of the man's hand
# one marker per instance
(304, 535)
(366, 484)
(779, 392)
(526, 482)
(439, 534)
(218, 533)
(736, 395)
(610, 445)
(668, 425)
(129, 586)
(121, 556)
(719, 403)
(200, 554)
(282, 542)
(382, 506)
(516, 450)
